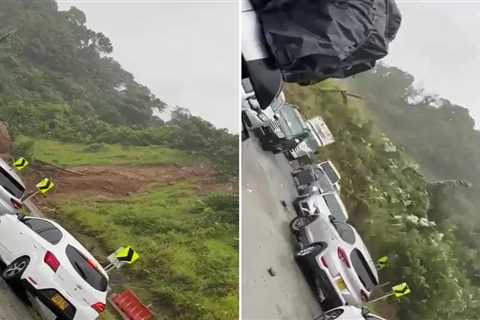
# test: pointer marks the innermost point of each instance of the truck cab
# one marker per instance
(319, 136)
(279, 125)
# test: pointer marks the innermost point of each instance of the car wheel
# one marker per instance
(16, 268)
(299, 223)
(333, 314)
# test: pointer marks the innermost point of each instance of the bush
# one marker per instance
(95, 147)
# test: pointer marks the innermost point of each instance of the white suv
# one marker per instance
(335, 260)
(348, 313)
(53, 266)
(12, 189)
(328, 204)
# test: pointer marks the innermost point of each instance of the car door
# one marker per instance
(15, 239)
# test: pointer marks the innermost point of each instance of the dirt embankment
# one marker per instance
(115, 182)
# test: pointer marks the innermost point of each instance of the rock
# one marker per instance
(271, 272)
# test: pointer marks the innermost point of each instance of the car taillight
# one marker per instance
(99, 307)
(16, 204)
(51, 261)
(363, 296)
(342, 255)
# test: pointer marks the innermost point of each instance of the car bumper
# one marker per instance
(41, 286)
(320, 276)
(45, 297)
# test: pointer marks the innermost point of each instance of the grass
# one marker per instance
(189, 255)
(70, 154)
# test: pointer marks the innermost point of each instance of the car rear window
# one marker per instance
(87, 270)
(346, 232)
(10, 184)
(323, 182)
(335, 208)
(330, 172)
(362, 269)
(44, 229)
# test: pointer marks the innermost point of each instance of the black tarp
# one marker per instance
(312, 40)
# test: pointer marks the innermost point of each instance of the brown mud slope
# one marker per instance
(114, 182)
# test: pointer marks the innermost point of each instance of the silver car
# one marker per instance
(12, 189)
(327, 203)
(322, 177)
(335, 260)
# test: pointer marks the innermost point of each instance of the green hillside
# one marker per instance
(68, 102)
(396, 209)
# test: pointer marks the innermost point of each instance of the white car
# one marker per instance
(53, 266)
(348, 313)
(327, 203)
(12, 189)
(335, 260)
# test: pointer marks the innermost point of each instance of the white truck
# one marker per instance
(319, 136)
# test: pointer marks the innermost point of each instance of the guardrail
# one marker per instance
(129, 306)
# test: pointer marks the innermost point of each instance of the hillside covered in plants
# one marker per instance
(59, 81)
(399, 207)
(168, 188)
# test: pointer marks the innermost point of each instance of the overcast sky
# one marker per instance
(186, 52)
(439, 44)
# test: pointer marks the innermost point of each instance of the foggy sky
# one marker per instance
(186, 52)
(439, 44)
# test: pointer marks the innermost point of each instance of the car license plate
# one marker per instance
(60, 302)
(341, 285)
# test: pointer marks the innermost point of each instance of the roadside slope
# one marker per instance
(181, 218)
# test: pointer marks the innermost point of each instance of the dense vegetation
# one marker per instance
(67, 101)
(189, 259)
(58, 81)
(398, 211)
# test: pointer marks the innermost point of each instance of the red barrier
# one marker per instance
(130, 306)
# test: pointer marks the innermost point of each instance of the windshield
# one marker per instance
(322, 181)
(336, 209)
(291, 119)
(87, 269)
(330, 171)
(10, 184)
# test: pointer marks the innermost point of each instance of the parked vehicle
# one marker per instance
(327, 203)
(348, 313)
(335, 260)
(322, 177)
(12, 189)
(53, 266)
(319, 136)
(279, 125)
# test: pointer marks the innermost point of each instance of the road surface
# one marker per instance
(267, 242)
(11, 306)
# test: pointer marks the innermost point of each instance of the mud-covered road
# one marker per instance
(267, 243)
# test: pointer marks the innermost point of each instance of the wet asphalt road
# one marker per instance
(267, 242)
(11, 305)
